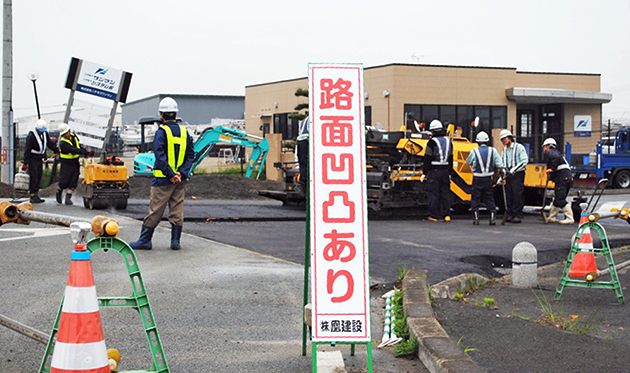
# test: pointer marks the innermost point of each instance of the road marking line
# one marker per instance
(408, 243)
(37, 233)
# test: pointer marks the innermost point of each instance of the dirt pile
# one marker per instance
(199, 187)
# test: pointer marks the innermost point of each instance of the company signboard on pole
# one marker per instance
(339, 235)
(98, 80)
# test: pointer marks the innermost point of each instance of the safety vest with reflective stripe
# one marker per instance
(510, 162)
(171, 141)
(42, 142)
(483, 166)
(74, 141)
(443, 146)
(303, 130)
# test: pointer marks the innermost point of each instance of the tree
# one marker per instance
(299, 115)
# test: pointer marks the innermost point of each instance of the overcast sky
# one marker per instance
(219, 47)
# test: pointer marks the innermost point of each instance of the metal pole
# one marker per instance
(55, 219)
(7, 86)
(24, 329)
(66, 116)
(39, 115)
(110, 124)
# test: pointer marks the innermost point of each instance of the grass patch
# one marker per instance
(558, 319)
(407, 348)
(467, 349)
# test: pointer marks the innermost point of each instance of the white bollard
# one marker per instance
(524, 265)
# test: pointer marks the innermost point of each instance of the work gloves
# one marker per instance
(24, 166)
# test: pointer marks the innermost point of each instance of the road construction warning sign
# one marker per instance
(339, 235)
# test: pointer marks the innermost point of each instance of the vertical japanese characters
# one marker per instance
(338, 214)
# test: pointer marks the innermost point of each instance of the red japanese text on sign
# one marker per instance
(339, 250)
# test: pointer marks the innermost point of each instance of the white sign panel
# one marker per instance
(339, 236)
(582, 125)
(99, 80)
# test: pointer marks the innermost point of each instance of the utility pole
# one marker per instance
(7, 154)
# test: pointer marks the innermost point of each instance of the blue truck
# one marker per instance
(588, 169)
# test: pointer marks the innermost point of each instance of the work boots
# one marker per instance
(568, 215)
(69, 199)
(493, 217)
(176, 234)
(144, 242)
(553, 213)
(35, 198)
(475, 217)
(58, 195)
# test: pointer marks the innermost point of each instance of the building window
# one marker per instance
(490, 117)
(368, 116)
(526, 124)
(288, 127)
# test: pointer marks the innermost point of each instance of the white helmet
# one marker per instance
(41, 125)
(550, 141)
(482, 137)
(504, 134)
(168, 105)
(435, 125)
(63, 128)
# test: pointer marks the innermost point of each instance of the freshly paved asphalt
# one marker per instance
(221, 308)
(444, 249)
(218, 308)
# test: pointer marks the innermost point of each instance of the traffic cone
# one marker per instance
(80, 345)
(584, 260)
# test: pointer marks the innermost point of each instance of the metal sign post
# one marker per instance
(338, 232)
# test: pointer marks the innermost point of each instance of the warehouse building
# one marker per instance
(193, 109)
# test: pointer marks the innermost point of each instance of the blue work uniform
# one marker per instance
(483, 160)
(561, 175)
(515, 160)
(169, 159)
(438, 165)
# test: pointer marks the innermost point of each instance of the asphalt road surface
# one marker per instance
(444, 249)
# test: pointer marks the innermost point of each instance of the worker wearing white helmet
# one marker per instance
(70, 150)
(37, 142)
(174, 156)
(483, 160)
(438, 166)
(559, 171)
(515, 161)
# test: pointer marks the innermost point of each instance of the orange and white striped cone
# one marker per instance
(584, 261)
(80, 345)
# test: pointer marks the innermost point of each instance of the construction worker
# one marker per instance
(438, 165)
(174, 156)
(37, 142)
(559, 171)
(483, 160)
(69, 151)
(515, 161)
(302, 154)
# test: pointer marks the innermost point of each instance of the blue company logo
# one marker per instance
(582, 123)
(101, 71)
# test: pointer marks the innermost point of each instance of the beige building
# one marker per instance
(534, 106)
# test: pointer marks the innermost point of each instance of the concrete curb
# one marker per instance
(436, 350)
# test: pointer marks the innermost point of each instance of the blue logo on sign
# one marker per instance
(582, 123)
(101, 71)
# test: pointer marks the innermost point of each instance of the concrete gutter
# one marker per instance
(436, 350)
